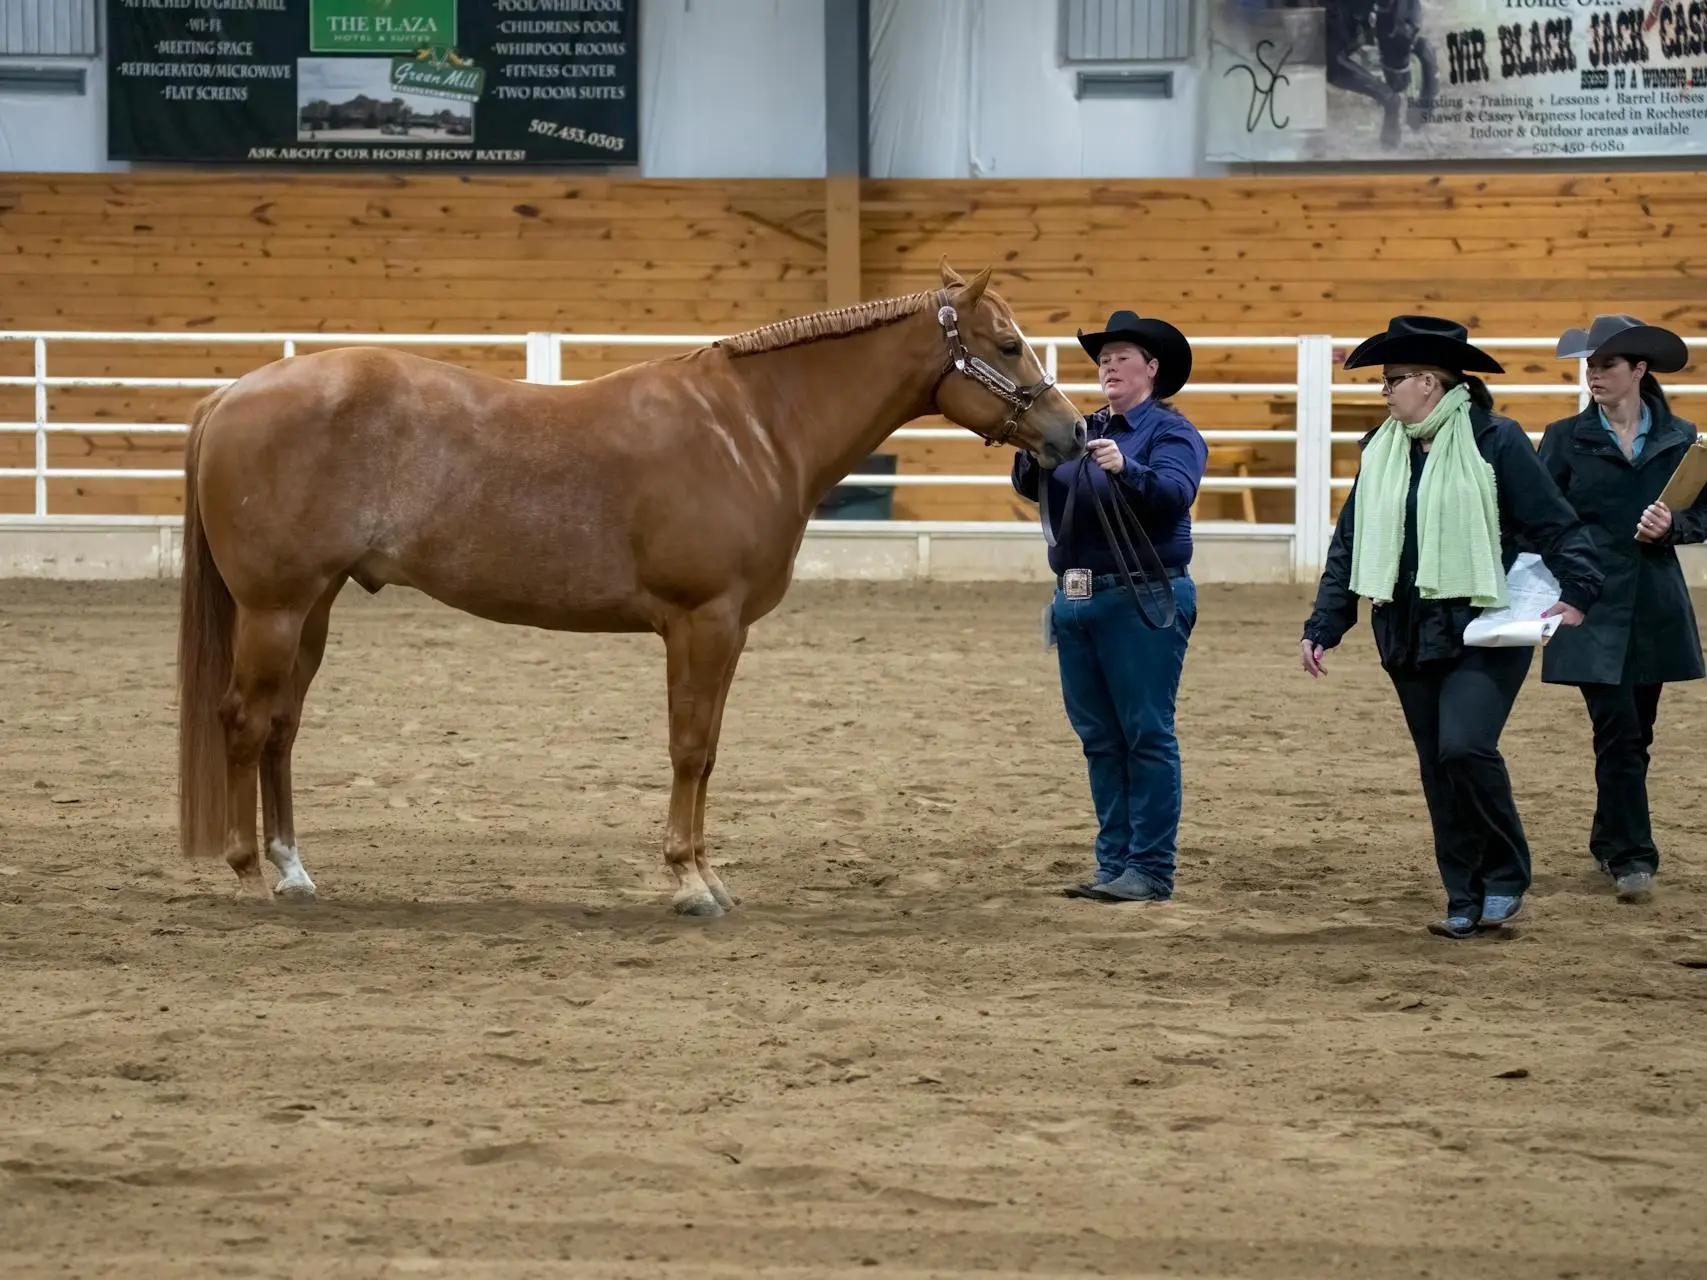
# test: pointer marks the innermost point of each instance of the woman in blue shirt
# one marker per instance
(1119, 671)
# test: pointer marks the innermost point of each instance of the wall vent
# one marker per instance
(1125, 84)
(50, 28)
(1126, 30)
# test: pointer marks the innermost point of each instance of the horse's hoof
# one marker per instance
(701, 906)
(295, 891)
(723, 897)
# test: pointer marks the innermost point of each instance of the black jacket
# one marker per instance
(1643, 622)
(1533, 516)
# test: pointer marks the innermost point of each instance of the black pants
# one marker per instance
(1622, 838)
(1455, 713)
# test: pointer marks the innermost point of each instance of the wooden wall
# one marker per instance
(1508, 255)
(332, 253)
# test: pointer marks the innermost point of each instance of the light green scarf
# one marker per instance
(1458, 521)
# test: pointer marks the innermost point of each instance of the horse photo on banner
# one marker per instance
(1363, 80)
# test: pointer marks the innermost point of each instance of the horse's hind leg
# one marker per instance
(712, 881)
(278, 820)
(700, 650)
(262, 672)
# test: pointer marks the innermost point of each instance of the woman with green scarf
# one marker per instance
(1446, 493)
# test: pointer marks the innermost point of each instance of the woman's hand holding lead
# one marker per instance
(1107, 455)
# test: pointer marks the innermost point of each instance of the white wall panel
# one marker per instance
(1000, 103)
(732, 88)
(56, 132)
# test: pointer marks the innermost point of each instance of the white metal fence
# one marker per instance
(1313, 391)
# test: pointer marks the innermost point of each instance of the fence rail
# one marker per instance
(1313, 391)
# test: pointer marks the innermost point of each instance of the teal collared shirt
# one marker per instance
(1642, 425)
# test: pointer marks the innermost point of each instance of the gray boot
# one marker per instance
(1636, 886)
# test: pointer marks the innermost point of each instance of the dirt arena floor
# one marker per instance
(491, 1051)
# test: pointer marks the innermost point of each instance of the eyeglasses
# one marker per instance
(1387, 384)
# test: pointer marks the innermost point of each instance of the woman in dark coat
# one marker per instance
(1612, 461)
(1444, 491)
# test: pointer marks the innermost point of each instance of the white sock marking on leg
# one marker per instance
(293, 877)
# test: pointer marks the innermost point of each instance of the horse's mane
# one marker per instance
(835, 323)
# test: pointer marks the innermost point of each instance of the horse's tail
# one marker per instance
(206, 621)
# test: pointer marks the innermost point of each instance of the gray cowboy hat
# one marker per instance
(1626, 336)
(1166, 345)
(1445, 344)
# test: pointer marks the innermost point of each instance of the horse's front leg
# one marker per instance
(712, 881)
(700, 652)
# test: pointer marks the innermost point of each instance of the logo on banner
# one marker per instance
(437, 72)
(380, 26)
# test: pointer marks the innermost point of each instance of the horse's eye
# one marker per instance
(1010, 348)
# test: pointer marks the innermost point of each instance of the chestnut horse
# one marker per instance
(670, 496)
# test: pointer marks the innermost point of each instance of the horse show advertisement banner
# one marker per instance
(384, 82)
(1370, 80)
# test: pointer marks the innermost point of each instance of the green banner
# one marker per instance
(380, 26)
(450, 83)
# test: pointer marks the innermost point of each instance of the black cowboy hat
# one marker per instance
(1626, 336)
(1166, 345)
(1445, 344)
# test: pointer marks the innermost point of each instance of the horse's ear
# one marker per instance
(949, 275)
(970, 292)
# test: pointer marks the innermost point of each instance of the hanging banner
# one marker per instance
(1372, 80)
(374, 82)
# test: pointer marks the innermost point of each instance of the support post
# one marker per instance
(544, 358)
(841, 241)
(1314, 457)
(847, 62)
(41, 425)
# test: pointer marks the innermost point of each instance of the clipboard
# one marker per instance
(1689, 478)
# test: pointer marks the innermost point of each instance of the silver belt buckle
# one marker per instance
(1076, 584)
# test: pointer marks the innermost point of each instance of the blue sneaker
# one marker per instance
(1453, 927)
(1132, 886)
(1091, 889)
(1499, 910)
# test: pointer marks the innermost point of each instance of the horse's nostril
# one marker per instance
(1079, 433)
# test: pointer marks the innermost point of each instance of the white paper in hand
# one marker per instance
(1530, 591)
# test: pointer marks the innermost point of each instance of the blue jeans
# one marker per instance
(1119, 679)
